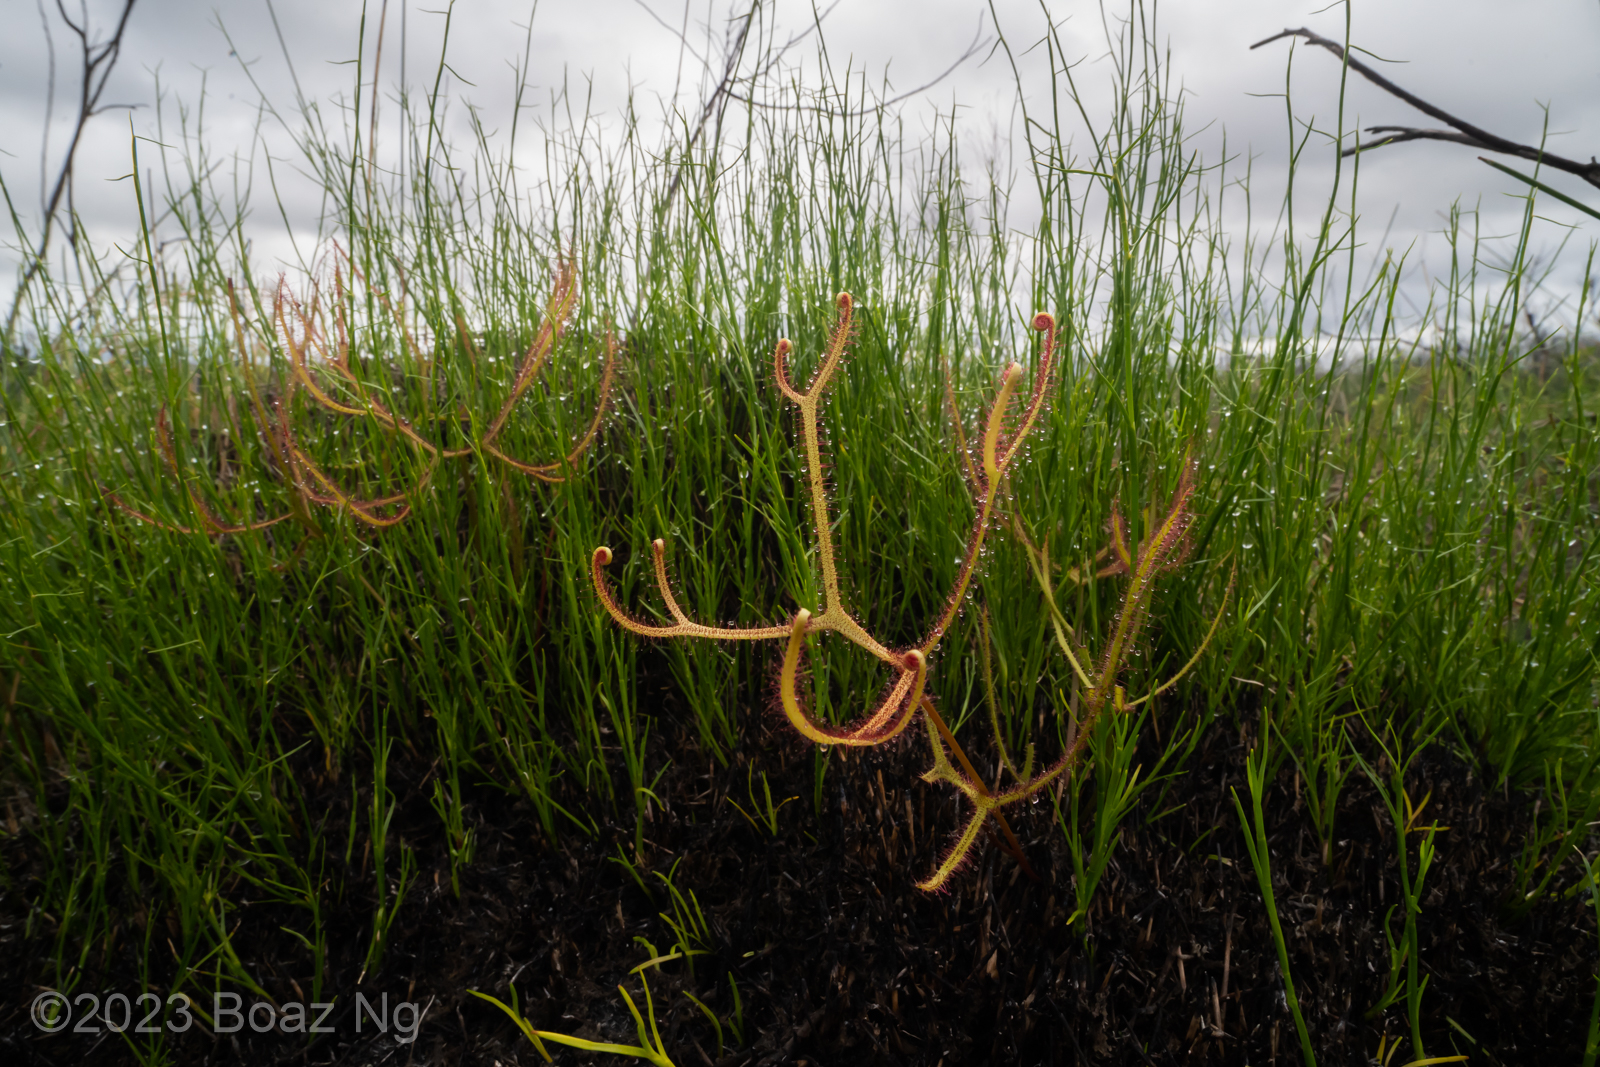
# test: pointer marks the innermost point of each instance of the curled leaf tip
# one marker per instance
(915, 660)
(602, 556)
(659, 544)
(843, 301)
(1044, 322)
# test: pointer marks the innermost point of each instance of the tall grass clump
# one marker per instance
(1387, 532)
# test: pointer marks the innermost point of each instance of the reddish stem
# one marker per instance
(1012, 845)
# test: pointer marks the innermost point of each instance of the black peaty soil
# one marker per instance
(838, 958)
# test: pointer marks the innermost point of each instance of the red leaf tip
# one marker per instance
(602, 556)
(1044, 322)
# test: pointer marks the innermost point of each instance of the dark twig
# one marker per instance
(1461, 132)
(98, 62)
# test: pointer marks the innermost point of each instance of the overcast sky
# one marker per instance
(1495, 63)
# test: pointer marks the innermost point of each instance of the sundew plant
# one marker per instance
(297, 327)
(283, 553)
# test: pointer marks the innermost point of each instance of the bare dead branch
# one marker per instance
(1461, 131)
(1401, 134)
(99, 59)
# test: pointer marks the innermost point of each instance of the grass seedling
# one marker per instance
(1561, 813)
(1386, 1050)
(622, 860)
(1322, 762)
(687, 921)
(380, 815)
(649, 1048)
(766, 813)
(1116, 787)
(1255, 840)
(461, 838)
(711, 1016)
(1591, 884)
(736, 1020)
(1406, 817)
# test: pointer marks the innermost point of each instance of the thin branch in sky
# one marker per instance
(99, 59)
(1461, 132)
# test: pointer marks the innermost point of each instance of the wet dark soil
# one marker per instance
(839, 959)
